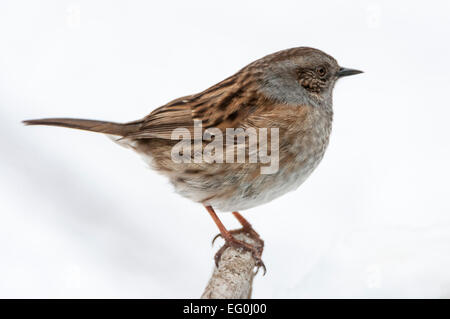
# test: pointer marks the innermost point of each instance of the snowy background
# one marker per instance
(82, 217)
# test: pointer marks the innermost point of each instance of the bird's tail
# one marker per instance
(87, 125)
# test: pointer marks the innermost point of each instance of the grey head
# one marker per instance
(300, 76)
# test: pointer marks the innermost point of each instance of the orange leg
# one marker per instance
(246, 227)
(242, 220)
(230, 241)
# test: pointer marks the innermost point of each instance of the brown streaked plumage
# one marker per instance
(290, 90)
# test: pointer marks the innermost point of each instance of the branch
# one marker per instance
(233, 279)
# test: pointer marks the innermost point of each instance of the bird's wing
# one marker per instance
(226, 104)
(161, 122)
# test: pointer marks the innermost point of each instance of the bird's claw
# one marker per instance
(256, 250)
(215, 237)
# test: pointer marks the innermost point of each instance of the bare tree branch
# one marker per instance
(233, 279)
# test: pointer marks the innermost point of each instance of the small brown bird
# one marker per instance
(289, 91)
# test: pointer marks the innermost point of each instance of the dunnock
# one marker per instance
(290, 90)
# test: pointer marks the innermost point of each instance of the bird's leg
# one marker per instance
(230, 241)
(246, 228)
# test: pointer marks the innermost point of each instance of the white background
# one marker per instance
(82, 217)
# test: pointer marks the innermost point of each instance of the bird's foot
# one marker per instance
(231, 241)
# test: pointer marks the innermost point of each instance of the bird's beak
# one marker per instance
(346, 72)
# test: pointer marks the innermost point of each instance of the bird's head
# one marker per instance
(300, 75)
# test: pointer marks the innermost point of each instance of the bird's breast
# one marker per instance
(302, 145)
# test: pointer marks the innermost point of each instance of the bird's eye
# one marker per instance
(321, 70)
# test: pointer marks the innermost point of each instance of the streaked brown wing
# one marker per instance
(162, 121)
(226, 104)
